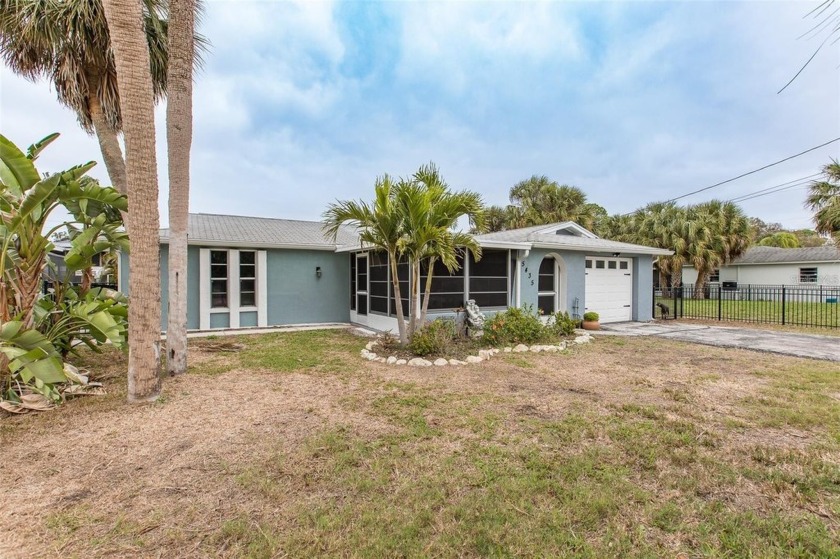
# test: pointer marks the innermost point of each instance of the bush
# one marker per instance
(436, 337)
(591, 316)
(515, 326)
(561, 324)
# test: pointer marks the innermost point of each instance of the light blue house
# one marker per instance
(247, 272)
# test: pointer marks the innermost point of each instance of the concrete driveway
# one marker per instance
(774, 341)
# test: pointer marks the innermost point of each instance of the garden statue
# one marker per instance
(475, 318)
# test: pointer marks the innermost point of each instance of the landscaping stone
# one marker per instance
(583, 339)
(551, 348)
(441, 362)
(474, 359)
(420, 362)
(507, 349)
(401, 361)
(562, 346)
(485, 353)
(371, 356)
(520, 348)
(457, 362)
(391, 360)
(380, 360)
(369, 346)
(536, 348)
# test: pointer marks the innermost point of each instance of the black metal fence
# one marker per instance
(816, 306)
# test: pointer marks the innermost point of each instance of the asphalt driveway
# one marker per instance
(773, 341)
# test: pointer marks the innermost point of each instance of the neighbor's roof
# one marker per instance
(775, 255)
(242, 231)
(566, 235)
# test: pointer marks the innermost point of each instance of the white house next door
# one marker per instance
(609, 288)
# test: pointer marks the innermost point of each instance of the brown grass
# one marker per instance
(295, 446)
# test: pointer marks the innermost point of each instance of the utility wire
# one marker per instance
(742, 175)
(793, 186)
(801, 180)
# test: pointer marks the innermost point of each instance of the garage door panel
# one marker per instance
(609, 290)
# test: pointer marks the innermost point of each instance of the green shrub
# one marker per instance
(436, 337)
(515, 326)
(591, 316)
(561, 324)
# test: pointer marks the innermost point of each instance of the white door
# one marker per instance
(609, 288)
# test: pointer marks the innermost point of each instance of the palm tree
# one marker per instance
(137, 104)
(178, 141)
(722, 234)
(824, 200)
(69, 43)
(544, 201)
(439, 240)
(380, 225)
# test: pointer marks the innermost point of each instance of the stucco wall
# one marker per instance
(296, 295)
(642, 288)
(574, 277)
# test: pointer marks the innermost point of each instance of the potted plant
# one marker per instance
(590, 321)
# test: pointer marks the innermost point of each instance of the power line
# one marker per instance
(782, 186)
(742, 175)
(801, 185)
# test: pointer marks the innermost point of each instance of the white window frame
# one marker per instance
(234, 308)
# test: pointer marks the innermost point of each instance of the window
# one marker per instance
(489, 279)
(612, 264)
(546, 298)
(807, 275)
(247, 278)
(353, 282)
(361, 284)
(714, 277)
(589, 264)
(447, 288)
(218, 279)
(378, 282)
(599, 264)
(622, 265)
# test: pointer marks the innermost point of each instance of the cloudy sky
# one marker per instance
(300, 103)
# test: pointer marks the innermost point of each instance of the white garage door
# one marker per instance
(609, 288)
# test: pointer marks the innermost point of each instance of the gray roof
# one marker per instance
(775, 255)
(242, 231)
(540, 236)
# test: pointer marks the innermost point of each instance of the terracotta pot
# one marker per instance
(591, 325)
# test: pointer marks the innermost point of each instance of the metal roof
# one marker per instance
(568, 238)
(243, 231)
(775, 255)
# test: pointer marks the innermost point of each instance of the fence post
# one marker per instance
(720, 302)
(783, 305)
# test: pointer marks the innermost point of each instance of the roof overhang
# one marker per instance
(239, 244)
(791, 263)
(595, 248)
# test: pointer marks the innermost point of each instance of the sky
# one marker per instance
(302, 103)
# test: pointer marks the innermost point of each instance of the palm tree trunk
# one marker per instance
(428, 291)
(700, 284)
(413, 307)
(178, 141)
(392, 259)
(109, 145)
(131, 57)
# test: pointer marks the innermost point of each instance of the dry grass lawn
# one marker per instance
(293, 446)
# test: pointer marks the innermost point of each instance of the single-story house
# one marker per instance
(257, 272)
(778, 266)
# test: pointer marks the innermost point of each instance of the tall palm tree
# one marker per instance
(380, 225)
(179, 124)
(722, 234)
(68, 42)
(442, 242)
(824, 201)
(544, 201)
(137, 103)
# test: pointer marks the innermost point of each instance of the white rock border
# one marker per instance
(581, 337)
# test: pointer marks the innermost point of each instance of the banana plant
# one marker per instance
(26, 203)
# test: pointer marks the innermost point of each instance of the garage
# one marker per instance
(609, 288)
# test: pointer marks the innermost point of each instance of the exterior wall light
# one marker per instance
(318, 271)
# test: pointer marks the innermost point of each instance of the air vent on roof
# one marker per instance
(568, 232)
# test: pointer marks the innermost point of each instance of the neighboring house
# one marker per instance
(59, 270)
(255, 272)
(778, 266)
